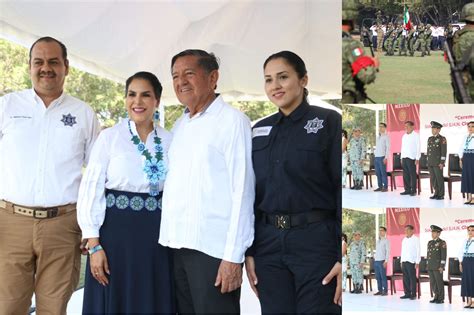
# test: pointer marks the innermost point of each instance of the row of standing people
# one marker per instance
(410, 259)
(168, 219)
(355, 151)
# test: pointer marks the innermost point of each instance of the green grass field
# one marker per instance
(412, 80)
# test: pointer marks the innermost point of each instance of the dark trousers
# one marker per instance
(381, 276)
(437, 180)
(409, 175)
(291, 265)
(381, 171)
(437, 284)
(409, 278)
(374, 42)
(195, 274)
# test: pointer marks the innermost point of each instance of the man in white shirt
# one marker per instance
(382, 151)
(410, 156)
(410, 259)
(45, 140)
(209, 190)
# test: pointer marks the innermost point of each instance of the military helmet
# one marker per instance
(428, 25)
(349, 9)
(467, 13)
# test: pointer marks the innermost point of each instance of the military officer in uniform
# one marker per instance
(436, 261)
(437, 147)
(357, 151)
(358, 69)
(357, 259)
(463, 48)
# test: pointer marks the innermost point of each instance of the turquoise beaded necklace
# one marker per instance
(154, 167)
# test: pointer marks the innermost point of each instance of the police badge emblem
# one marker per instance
(312, 126)
(69, 120)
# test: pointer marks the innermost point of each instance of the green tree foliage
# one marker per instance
(106, 97)
(360, 117)
(353, 221)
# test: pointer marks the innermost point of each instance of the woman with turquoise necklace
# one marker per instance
(466, 156)
(119, 210)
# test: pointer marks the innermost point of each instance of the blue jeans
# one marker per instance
(381, 276)
(381, 171)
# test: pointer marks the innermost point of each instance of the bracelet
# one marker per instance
(95, 249)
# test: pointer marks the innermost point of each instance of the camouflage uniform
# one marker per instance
(411, 41)
(388, 37)
(401, 42)
(357, 151)
(357, 257)
(437, 148)
(436, 260)
(358, 69)
(428, 38)
(380, 36)
(463, 48)
(420, 39)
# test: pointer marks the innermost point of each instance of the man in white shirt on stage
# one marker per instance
(410, 156)
(410, 259)
(209, 191)
(45, 140)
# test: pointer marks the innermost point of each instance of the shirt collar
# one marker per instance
(38, 99)
(208, 108)
(295, 115)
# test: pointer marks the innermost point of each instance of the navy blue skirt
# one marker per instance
(467, 282)
(467, 179)
(140, 278)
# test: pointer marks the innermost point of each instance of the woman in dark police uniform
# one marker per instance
(294, 263)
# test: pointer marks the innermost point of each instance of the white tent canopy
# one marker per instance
(115, 39)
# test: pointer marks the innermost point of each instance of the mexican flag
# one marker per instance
(406, 18)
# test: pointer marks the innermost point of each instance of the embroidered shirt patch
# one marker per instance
(69, 120)
(312, 126)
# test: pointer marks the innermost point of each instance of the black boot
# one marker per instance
(360, 289)
(359, 185)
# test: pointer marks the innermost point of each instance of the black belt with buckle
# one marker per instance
(288, 221)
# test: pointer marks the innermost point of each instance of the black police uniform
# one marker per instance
(297, 163)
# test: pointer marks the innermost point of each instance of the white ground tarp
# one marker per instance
(117, 38)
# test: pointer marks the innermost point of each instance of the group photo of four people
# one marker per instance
(169, 219)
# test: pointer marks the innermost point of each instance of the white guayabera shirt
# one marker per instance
(210, 188)
(43, 149)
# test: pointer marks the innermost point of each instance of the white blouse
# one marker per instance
(115, 163)
(466, 248)
(466, 145)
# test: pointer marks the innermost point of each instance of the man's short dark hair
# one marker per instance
(383, 228)
(383, 124)
(49, 39)
(409, 122)
(208, 61)
(409, 226)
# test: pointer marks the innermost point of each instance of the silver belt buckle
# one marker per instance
(283, 222)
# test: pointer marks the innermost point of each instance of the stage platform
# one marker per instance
(367, 198)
